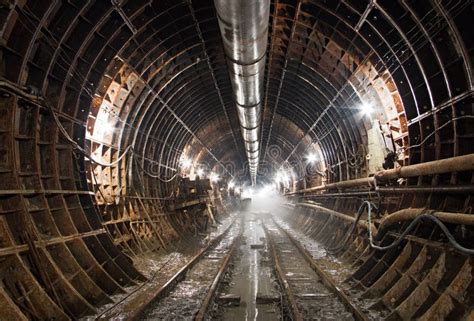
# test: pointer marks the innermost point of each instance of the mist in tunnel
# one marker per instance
(265, 199)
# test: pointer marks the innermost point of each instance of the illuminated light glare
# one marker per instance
(282, 177)
(200, 173)
(185, 162)
(367, 108)
(265, 191)
(231, 185)
(106, 128)
(247, 193)
(311, 158)
(214, 177)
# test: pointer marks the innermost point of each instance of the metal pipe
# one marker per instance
(447, 165)
(244, 30)
(461, 189)
(339, 215)
(369, 181)
(453, 164)
(410, 214)
(342, 194)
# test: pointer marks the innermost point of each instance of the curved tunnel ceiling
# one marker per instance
(325, 59)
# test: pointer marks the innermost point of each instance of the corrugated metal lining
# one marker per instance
(166, 83)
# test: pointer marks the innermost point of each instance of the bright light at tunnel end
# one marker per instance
(259, 192)
(265, 191)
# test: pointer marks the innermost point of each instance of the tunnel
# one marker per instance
(236, 160)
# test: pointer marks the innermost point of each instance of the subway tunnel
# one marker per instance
(234, 160)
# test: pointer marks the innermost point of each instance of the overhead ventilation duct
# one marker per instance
(244, 29)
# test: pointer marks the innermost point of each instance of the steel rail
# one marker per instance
(325, 277)
(215, 283)
(146, 300)
(296, 314)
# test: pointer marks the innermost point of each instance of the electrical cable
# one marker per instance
(61, 128)
(403, 149)
(107, 202)
(356, 159)
(78, 148)
(74, 144)
(64, 66)
(410, 227)
(351, 231)
(164, 180)
(142, 184)
(86, 155)
(370, 205)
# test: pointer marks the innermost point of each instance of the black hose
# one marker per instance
(410, 227)
(351, 231)
(370, 205)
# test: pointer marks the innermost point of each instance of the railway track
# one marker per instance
(250, 289)
(310, 292)
(134, 304)
(273, 276)
(187, 295)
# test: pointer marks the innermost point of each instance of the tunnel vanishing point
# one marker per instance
(236, 160)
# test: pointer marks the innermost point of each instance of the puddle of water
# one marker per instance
(251, 276)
